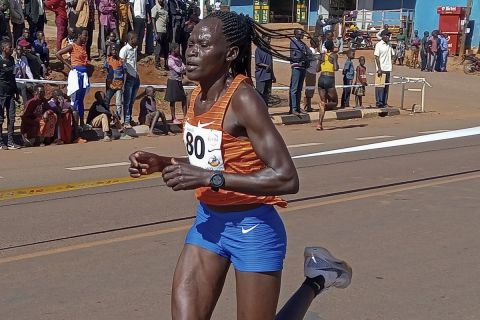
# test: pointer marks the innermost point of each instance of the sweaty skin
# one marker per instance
(246, 118)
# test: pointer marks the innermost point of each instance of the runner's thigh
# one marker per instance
(257, 294)
(197, 283)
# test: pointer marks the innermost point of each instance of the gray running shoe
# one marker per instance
(319, 261)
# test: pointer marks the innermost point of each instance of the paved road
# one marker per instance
(406, 218)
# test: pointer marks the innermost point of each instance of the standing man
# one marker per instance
(379, 33)
(132, 81)
(35, 15)
(424, 51)
(298, 55)
(160, 18)
(61, 19)
(319, 30)
(140, 18)
(433, 50)
(384, 55)
(8, 89)
(339, 32)
(264, 75)
(125, 20)
(149, 36)
(17, 18)
(444, 52)
(177, 11)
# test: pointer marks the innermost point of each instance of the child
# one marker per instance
(41, 48)
(149, 114)
(175, 91)
(99, 116)
(361, 79)
(110, 43)
(115, 80)
(348, 76)
(25, 36)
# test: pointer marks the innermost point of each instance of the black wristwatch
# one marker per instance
(217, 181)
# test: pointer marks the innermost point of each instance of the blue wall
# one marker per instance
(242, 6)
(393, 4)
(426, 17)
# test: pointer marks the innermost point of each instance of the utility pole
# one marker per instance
(464, 29)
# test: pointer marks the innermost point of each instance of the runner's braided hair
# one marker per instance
(241, 31)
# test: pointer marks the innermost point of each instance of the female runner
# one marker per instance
(326, 83)
(238, 165)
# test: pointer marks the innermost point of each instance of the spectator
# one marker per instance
(91, 27)
(149, 114)
(319, 35)
(82, 12)
(17, 18)
(384, 55)
(149, 41)
(36, 66)
(35, 15)
(115, 80)
(328, 65)
(25, 36)
(71, 13)
(99, 116)
(61, 19)
(379, 33)
(176, 13)
(67, 119)
(38, 120)
(218, 5)
(415, 43)
(4, 21)
(348, 76)
(128, 54)
(22, 71)
(108, 23)
(264, 74)
(433, 50)
(78, 81)
(110, 43)
(311, 75)
(41, 48)
(400, 49)
(339, 32)
(328, 37)
(69, 39)
(361, 81)
(424, 51)
(160, 18)
(140, 18)
(443, 52)
(298, 54)
(192, 21)
(125, 20)
(175, 92)
(8, 90)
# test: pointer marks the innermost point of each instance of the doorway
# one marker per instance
(282, 11)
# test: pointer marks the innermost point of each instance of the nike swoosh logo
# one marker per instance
(200, 125)
(245, 231)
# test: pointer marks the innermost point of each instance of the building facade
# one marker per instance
(427, 19)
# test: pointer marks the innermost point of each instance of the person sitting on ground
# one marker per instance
(175, 92)
(100, 116)
(22, 71)
(25, 36)
(149, 114)
(38, 120)
(68, 130)
(41, 48)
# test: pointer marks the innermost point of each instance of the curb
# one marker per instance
(136, 131)
(288, 119)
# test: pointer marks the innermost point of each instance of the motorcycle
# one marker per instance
(359, 40)
(471, 64)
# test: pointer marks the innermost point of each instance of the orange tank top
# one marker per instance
(210, 147)
(78, 55)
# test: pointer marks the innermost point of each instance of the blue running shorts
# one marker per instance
(252, 240)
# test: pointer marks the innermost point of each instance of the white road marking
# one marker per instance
(400, 142)
(97, 166)
(305, 144)
(433, 131)
(373, 138)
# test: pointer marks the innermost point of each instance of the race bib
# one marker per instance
(203, 147)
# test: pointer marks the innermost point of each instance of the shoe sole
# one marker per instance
(325, 254)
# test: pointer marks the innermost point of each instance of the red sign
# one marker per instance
(449, 10)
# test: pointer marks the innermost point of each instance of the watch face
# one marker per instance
(217, 180)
